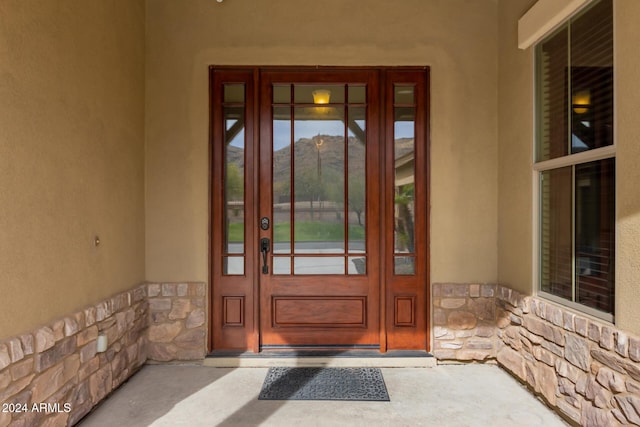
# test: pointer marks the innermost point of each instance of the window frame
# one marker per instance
(569, 160)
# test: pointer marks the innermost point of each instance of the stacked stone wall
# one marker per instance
(464, 319)
(586, 369)
(178, 327)
(54, 375)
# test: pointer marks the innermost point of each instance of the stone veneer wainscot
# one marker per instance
(585, 369)
(464, 321)
(59, 362)
(177, 329)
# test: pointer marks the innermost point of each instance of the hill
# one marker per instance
(332, 156)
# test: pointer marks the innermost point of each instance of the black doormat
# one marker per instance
(324, 384)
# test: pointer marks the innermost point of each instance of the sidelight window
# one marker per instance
(234, 160)
(404, 109)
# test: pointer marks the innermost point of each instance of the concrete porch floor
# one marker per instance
(447, 395)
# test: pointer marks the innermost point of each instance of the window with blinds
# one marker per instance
(575, 161)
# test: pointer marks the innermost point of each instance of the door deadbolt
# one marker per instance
(264, 223)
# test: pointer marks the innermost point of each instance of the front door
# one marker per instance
(319, 208)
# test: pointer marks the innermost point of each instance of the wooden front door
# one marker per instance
(319, 208)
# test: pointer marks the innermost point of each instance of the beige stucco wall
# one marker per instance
(515, 153)
(515, 157)
(71, 156)
(627, 95)
(72, 114)
(456, 38)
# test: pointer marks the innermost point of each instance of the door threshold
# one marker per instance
(296, 358)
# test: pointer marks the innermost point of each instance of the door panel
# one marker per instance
(319, 311)
(315, 156)
(319, 191)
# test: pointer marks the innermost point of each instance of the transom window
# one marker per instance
(575, 161)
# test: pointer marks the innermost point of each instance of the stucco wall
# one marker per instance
(515, 154)
(456, 38)
(627, 96)
(71, 156)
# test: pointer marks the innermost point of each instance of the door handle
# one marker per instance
(265, 247)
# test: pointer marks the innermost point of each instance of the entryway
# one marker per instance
(319, 209)
(473, 394)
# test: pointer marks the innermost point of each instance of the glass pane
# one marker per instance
(357, 265)
(404, 265)
(556, 232)
(357, 94)
(281, 180)
(318, 265)
(234, 180)
(592, 79)
(233, 265)
(282, 265)
(282, 94)
(403, 94)
(234, 93)
(404, 197)
(318, 94)
(552, 79)
(595, 234)
(357, 155)
(319, 180)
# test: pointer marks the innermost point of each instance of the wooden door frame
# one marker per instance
(387, 295)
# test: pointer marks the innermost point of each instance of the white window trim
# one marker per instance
(544, 17)
(569, 160)
(577, 307)
(578, 158)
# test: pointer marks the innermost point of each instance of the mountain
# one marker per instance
(332, 156)
(236, 155)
